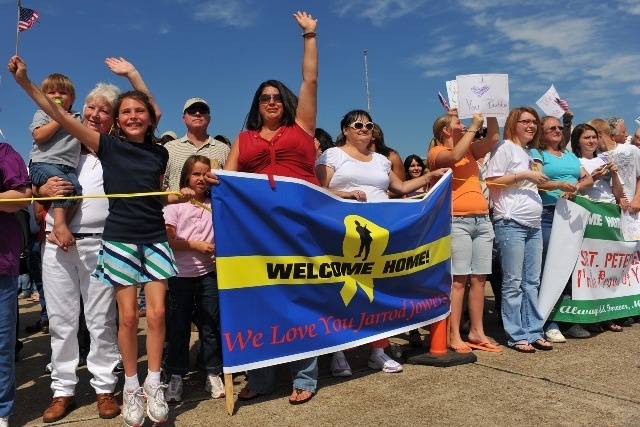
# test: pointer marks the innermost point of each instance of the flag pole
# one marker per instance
(366, 80)
(18, 28)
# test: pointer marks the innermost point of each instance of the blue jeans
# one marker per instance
(183, 293)
(303, 372)
(35, 271)
(8, 319)
(521, 250)
(41, 172)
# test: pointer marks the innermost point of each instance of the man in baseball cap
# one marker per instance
(196, 115)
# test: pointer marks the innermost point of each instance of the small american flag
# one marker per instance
(443, 102)
(28, 17)
(562, 103)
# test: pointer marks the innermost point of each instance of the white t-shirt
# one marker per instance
(350, 174)
(92, 212)
(522, 203)
(601, 189)
(627, 158)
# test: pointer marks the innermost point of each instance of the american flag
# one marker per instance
(443, 101)
(28, 17)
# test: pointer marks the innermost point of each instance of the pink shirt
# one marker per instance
(192, 223)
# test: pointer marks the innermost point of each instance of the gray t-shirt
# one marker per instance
(61, 149)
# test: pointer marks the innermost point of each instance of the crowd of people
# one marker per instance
(95, 252)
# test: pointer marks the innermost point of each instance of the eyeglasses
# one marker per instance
(359, 125)
(554, 128)
(528, 122)
(267, 99)
(193, 110)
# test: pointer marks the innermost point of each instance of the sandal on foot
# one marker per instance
(245, 394)
(299, 396)
(523, 347)
(595, 328)
(461, 348)
(612, 327)
(542, 344)
(415, 339)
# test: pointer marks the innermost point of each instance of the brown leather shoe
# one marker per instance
(107, 406)
(59, 408)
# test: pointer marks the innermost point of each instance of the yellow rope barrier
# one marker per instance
(94, 196)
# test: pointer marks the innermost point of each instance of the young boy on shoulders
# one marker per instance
(56, 153)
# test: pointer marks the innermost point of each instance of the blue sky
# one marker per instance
(222, 50)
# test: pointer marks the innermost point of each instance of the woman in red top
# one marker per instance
(279, 141)
(280, 126)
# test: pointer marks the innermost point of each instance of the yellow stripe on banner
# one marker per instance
(258, 270)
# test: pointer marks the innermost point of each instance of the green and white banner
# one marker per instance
(587, 247)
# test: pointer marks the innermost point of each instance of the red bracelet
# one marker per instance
(309, 35)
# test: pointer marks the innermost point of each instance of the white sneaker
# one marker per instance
(132, 411)
(339, 365)
(157, 408)
(554, 335)
(385, 363)
(174, 392)
(577, 331)
(4, 421)
(215, 386)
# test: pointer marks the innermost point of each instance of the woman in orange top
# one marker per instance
(454, 146)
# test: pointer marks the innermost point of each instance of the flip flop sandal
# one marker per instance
(523, 347)
(298, 392)
(249, 395)
(542, 344)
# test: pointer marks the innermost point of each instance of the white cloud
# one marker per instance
(164, 29)
(378, 11)
(234, 14)
(630, 6)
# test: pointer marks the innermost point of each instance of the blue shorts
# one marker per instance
(471, 245)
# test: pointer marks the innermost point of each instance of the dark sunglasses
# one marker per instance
(193, 110)
(359, 125)
(555, 128)
(266, 98)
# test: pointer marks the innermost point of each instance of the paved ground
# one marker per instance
(592, 382)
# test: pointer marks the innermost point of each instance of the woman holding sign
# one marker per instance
(456, 146)
(517, 209)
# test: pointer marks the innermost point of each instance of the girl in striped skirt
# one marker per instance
(134, 242)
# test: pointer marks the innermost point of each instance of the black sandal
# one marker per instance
(415, 339)
(542, 344)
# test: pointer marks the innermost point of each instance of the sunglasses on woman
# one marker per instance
(266, 98)
(359, 125)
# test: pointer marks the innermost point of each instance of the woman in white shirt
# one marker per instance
(517, 210)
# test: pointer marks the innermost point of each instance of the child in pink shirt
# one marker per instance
(190, 232)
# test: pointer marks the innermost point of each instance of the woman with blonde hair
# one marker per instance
(456, 146)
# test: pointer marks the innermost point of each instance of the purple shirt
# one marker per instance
(13, 174)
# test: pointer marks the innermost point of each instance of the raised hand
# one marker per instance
(306, 22)
(120, 66)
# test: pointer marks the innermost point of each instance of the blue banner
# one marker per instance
(302, 272)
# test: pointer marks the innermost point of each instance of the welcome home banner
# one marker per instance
(302, 272)
(587, 246)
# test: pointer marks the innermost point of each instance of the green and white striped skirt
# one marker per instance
(126, 264)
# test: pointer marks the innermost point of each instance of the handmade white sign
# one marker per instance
(484, 93)
(630, 226)
(549, 103)
(638, 120)
(452, 93)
